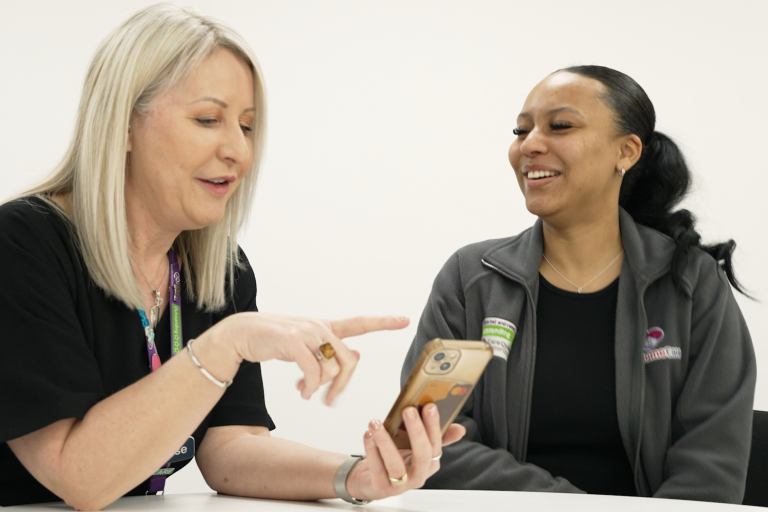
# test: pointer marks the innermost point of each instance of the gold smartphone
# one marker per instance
(445, 374)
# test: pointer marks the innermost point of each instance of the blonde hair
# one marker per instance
(153, 50)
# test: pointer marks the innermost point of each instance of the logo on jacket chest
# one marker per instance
(653, 337)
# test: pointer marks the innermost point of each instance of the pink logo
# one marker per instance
(652, 338)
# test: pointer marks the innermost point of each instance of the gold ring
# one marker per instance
(399, 481)
(325, 352)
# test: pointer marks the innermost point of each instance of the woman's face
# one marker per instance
(193, 148)
(568, 150)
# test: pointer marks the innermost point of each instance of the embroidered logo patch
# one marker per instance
(663, 353)
(499, 334)
(652, 338)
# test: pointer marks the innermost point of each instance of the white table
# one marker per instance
(412, 501)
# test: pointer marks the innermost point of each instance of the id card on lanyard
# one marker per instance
(187, 451)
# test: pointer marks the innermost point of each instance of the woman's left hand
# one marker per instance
(372, 478)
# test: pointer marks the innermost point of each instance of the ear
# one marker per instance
(630, 152)
(129, 144)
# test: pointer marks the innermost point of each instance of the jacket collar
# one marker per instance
(648, 253)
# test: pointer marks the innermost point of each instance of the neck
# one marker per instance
(148, 241)
(581, 249)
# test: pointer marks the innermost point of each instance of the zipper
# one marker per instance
(533, 365)
(642, 388)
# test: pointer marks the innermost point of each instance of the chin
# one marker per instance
(203, 219)
(541, 209)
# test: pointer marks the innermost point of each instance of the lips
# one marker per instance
(539, 175)
(218, 186)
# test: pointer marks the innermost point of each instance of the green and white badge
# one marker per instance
(499, 334)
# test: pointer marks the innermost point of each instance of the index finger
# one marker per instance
(358, 325)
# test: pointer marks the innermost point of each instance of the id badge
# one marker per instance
(187, 451)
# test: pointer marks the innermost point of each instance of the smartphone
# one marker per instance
(445, 374)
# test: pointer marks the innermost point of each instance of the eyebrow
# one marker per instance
(552, 112)
(220, 103)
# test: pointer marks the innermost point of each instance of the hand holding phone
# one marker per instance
(445, 374)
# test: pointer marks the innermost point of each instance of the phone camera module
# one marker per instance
(444, 367)
(439, 356)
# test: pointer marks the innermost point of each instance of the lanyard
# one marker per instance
(174, 294)
(157, 481)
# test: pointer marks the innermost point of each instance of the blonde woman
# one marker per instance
(130, 335)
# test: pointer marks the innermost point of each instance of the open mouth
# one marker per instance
(540, 175)
(218, 186)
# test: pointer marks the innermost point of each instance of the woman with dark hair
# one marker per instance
(622, 362)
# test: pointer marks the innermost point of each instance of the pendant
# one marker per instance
(153, 316)
(579, 289)
(154, 312)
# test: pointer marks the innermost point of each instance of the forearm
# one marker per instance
(123, 439)
(260, 466)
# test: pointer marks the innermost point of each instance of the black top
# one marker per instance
(65, 345)
(574, 430)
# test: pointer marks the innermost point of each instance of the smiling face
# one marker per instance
(568, 150)
(193, 148)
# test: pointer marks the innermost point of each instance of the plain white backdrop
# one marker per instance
(389, 123)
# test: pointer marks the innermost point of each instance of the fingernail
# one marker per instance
(403, 318)
(431, 409)
(368, 434)
(409, 413)
(375, 425)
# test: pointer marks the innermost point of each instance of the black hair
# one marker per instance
(660, 178)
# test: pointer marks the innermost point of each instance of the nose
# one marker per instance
(534, 143)
(235, 147)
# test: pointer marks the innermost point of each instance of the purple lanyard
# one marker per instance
(157, 481)
(174, 294)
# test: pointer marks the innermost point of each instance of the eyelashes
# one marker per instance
(552, 126)
(208, 122)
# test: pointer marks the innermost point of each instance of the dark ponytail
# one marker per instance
(660, 178)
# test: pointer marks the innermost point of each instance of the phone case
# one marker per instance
(446, 373)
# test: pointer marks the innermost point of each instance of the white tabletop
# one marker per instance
(412, 501)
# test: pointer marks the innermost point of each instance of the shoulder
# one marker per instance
(467, 263)
(32, 223)
(703, 274)
(27, 212)
(700, 267)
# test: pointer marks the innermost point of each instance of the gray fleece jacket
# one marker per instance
(684, 398)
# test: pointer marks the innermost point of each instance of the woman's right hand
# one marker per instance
(259, 337)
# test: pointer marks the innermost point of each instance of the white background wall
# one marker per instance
(389, 123)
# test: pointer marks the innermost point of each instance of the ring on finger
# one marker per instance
(399, 481)
(437, 457)
(325, 352)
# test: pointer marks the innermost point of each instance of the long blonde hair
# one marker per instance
(153, 50)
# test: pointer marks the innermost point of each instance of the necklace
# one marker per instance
(154, 312)
(580, 288)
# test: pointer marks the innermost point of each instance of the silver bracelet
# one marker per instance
(213, 379)
(340, 480)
